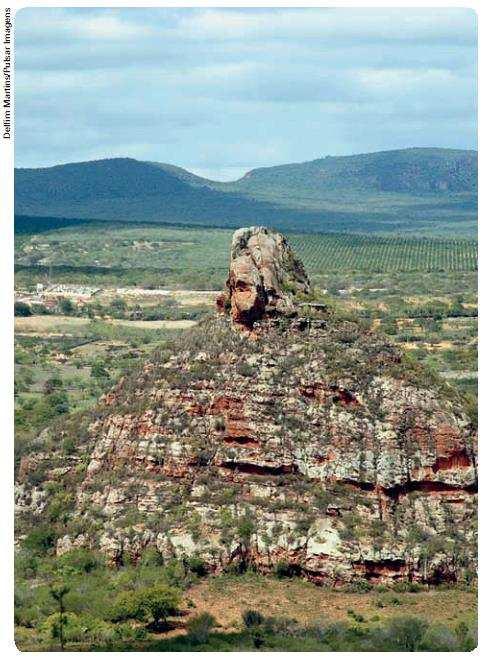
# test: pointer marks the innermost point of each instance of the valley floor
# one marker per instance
(301, 617)
(226, 597)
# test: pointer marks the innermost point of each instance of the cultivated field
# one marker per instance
(66, 325)
(164, 257)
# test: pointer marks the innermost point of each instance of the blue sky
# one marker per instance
(221, 91)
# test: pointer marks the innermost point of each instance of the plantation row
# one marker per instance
(107, 253)
(338, 252)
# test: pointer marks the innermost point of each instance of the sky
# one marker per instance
(222, 91)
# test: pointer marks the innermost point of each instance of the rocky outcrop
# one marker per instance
(312, 445)
(264, 276)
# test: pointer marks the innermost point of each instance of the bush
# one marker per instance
(159, 602)
(59, 506)
(332, 634)
(197, 566)
(99, 371)
(282, 626)
(403, 587)
(439, 638)
(359, 587)
(199, 628)
(22, 309)
(52, 384)
(26, 564)
(403, 634)
(467, 638)
(77, 628)
(356, 617)
(41, 540)
(65, 306)
(151, 557)
(252, 618)
(80, 560)
(150, 605)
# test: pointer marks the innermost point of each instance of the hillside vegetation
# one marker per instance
(432, 191)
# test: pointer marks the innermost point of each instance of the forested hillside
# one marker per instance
(431, 191)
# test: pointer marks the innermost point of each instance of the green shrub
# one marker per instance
(59, 506)
(150, 605)
(197, 566)
(65, 306)
(359, 587)
(199, 628)
(439, 637)
(26, 564)
(151, 557)
(467, 637)
(402, 634)
(252, 618)
(282, 626)
(77, 628)
(22, 309)
(80, 560)
(404, 587)
(41, 540)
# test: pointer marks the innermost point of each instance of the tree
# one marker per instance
(65, 306)
(150, 605)
(52, 384)
(159, 602)
(58, 592)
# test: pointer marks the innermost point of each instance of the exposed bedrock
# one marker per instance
(311, 444)
(264, 276)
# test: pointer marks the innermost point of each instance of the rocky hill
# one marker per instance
(279, 433)
(403, 190)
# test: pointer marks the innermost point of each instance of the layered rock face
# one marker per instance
(311, 445)
(264, 276)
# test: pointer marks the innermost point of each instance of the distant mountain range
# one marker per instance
(408, 190)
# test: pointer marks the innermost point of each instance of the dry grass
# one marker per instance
(438, 346)
(55, 324)
(227, 597)
(182, 324)
(49, 324)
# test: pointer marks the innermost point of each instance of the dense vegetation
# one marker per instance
(425, 190)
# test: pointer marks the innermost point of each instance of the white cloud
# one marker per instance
(220, 90)
(49, 25)
(387, 24)
(110, 27)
